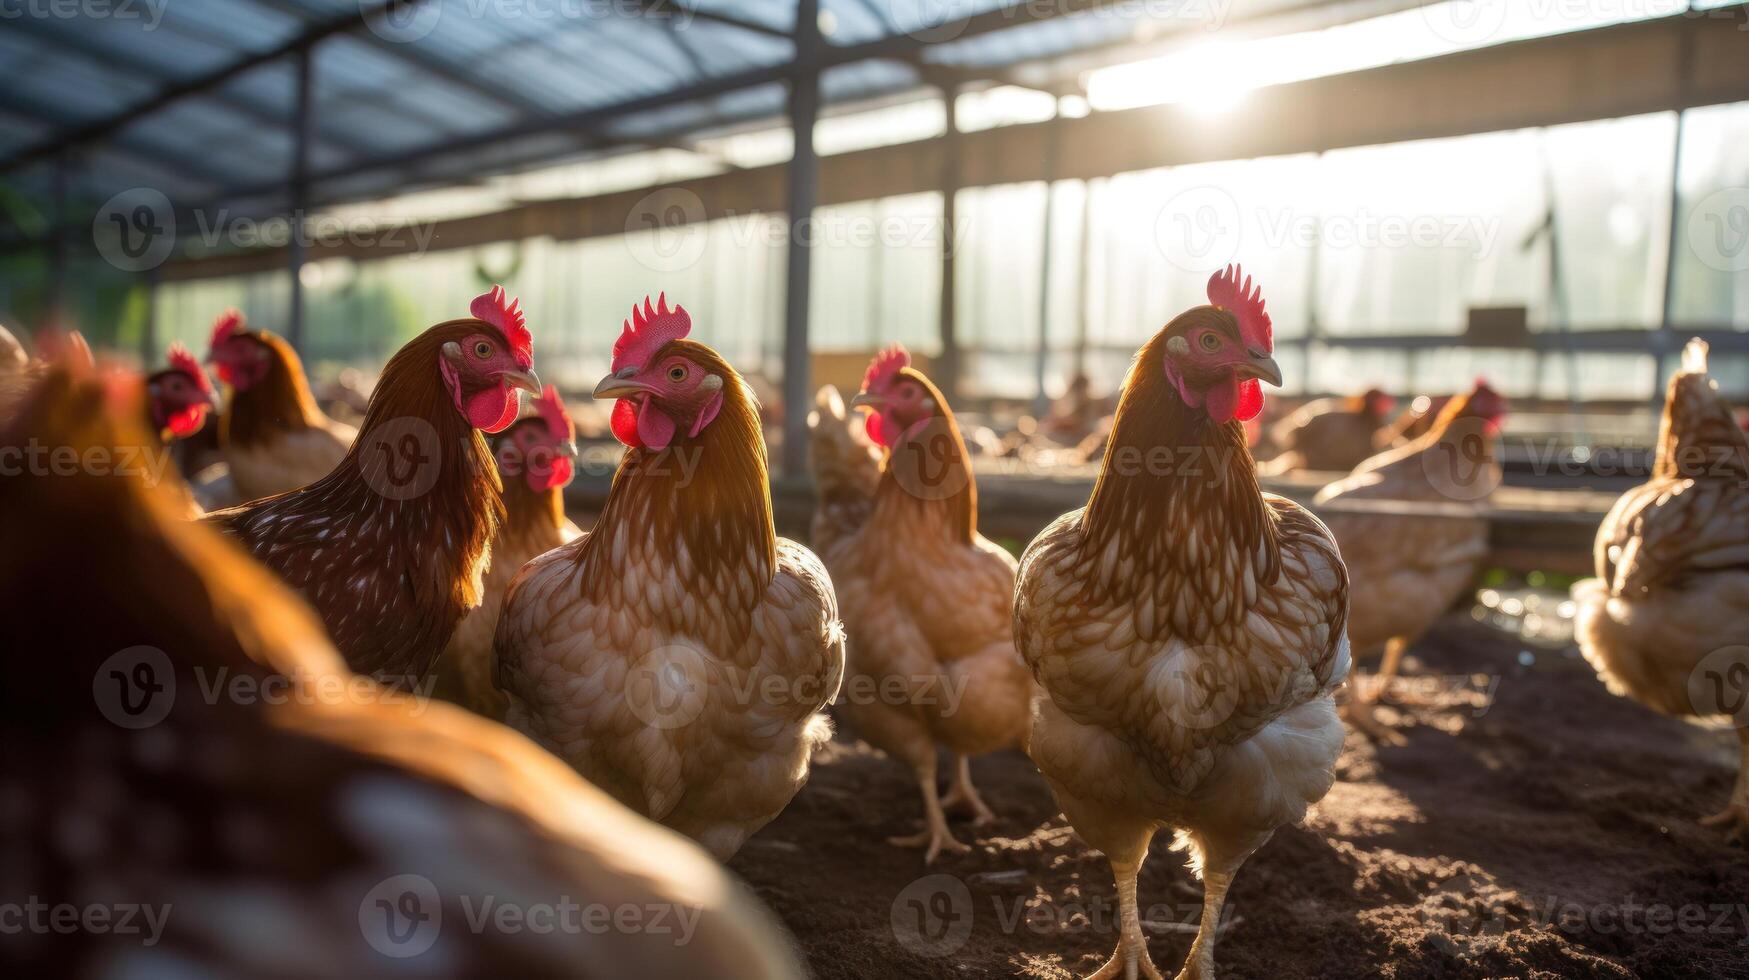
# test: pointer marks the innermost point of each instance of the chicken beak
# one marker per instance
(873, 403)
(1262, 367)
(620, 384)
(526, 380)
(568, 449)
(213, 399)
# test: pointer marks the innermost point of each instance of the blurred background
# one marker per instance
(1553, 194)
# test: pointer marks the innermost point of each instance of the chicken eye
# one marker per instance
(482, 350)
(677, 373)
(1210, 342)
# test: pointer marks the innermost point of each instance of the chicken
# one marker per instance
(1334, 434)
(274, 436)
(1666, 620)
(178, 398)
(300, 821)
(928, 602)
(679, 653)
(391, 546)
(20, 372)
(1186, 628)
(535, 464)
(1407, 570)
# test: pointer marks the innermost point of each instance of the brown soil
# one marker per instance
(1551, 835)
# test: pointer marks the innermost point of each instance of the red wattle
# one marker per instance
(1250, 400)
(558, 474)
(624, 423)
(186, 422)
(491, 410)
(878, 430)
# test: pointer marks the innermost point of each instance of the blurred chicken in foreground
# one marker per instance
(1187, 629)
(392, 545)
(928, 601)
(299, 821)
(1666, 620)
(535, 461)
(1406, 570)
(274, 436)
(1330, 434)
(679, 653)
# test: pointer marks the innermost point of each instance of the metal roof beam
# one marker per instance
(94, 131)
(674, 8)
(169, 160)
(116, 58)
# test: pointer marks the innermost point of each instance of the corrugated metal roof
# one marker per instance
(446, 88)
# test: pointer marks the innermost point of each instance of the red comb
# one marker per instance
(552, 411)
(182, 360)
(885, 367)
(226, 326)
(1245, 301)
(648, 329)
(500, 310)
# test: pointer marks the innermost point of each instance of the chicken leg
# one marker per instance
(935, 835)
(1734, 819)
(1131, 957)
(962, 796)
(1360, 710)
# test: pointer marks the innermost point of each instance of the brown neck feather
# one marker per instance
(1176, 494)
(527, 513)
(929, 476)
(707, 494)
(280, 402)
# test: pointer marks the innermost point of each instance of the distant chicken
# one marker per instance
(1666, 621)
(927, 600)
(679, 653)
(390, 547)
(535, 461)
(1406, 570)
(1334, 434)
(179, 396)
(1186, 628)
(274, 436)
(299, 821)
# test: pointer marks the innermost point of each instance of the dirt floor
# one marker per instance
(1551, 834)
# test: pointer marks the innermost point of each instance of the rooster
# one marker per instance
(1333, 434)
(678, 654)
(1187, 629)
(535, 461)
(928, 601)
(1408, 570)
(339, 830)
(274, 436)
(179, 396)
(1666, 620)
(391, 546)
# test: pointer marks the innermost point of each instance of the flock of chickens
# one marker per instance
(1173, 655)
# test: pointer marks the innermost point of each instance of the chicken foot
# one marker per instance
(962, 797)
(1199, 964)
(1131, 957)
(1360, 709)
(934, 836)
(1734, 819)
